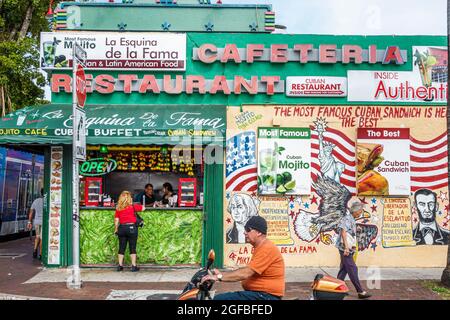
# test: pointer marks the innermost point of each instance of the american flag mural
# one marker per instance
(428, 160)
(240, 162)
(343, 152)
(429, 163)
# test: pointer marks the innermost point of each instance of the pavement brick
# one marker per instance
(14, 274)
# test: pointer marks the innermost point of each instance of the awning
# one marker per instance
(117, 124)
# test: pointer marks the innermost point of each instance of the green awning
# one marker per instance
(117, 124)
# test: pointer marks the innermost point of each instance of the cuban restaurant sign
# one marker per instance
(427, 82)
(383, 162)
(116, 51)
(237, 84)
(316, 86)
(284, 161)
(52, 121)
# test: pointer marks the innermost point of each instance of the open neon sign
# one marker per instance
(97, 167)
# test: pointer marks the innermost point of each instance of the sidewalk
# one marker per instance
(293, 275)
(21, 277)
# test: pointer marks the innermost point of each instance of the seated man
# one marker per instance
(146, 197)
(263, 278)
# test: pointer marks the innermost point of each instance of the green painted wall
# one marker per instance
(213, 207)
(150, 16)
(263, 68)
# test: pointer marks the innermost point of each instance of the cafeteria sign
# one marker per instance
(284, 161)
(97, 167)
(383, 162)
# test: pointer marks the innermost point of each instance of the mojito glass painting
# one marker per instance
(267, 168)
(49, 53)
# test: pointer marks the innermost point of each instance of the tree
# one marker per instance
(445, 279)
(21, 82)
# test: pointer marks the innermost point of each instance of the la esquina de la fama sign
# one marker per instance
(209, 53)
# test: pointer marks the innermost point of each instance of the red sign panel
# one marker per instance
(383, 133)
(80, 86)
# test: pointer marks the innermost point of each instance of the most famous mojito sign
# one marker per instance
(284, 160)
(115, 51)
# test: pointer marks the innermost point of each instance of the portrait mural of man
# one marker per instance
(241, 207)
(428, 231)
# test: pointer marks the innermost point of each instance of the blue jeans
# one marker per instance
(245, 295)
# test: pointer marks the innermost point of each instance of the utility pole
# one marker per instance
(78, 153)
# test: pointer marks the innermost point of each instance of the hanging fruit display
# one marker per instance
(122, 159)
(156, 161)
(142, 161)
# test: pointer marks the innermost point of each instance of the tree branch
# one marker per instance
(2, 100)
(26, 22)
(12, 34)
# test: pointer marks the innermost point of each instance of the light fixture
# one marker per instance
(103, 149)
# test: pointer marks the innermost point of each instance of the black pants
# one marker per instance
(127, 233)
(349, 267)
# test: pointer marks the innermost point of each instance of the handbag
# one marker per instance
(139, 220)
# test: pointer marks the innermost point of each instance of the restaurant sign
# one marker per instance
(284, 161)
(116, 125)
(427, 82)
(115, 51)
(316, 86)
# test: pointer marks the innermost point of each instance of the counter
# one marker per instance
(170, 236)
(148, 208)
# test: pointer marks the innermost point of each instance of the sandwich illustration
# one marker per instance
(368, 156)
(370, 182)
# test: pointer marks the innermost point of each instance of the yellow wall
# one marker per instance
(425, 124)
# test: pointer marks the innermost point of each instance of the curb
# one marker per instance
(7, 296)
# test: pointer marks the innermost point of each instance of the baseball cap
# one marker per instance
(258, 223)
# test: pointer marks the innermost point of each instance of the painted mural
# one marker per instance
(394, 230)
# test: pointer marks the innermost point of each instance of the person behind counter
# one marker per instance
(147, 196)
(126, 228)
(169, 196)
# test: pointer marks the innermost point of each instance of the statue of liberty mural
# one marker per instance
(329, 167)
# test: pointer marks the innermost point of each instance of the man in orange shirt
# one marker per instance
(263, 277)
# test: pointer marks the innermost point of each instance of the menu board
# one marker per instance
(275, 211)
(284, 161)
(54, 231)
(397, 224)
(383, 162)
